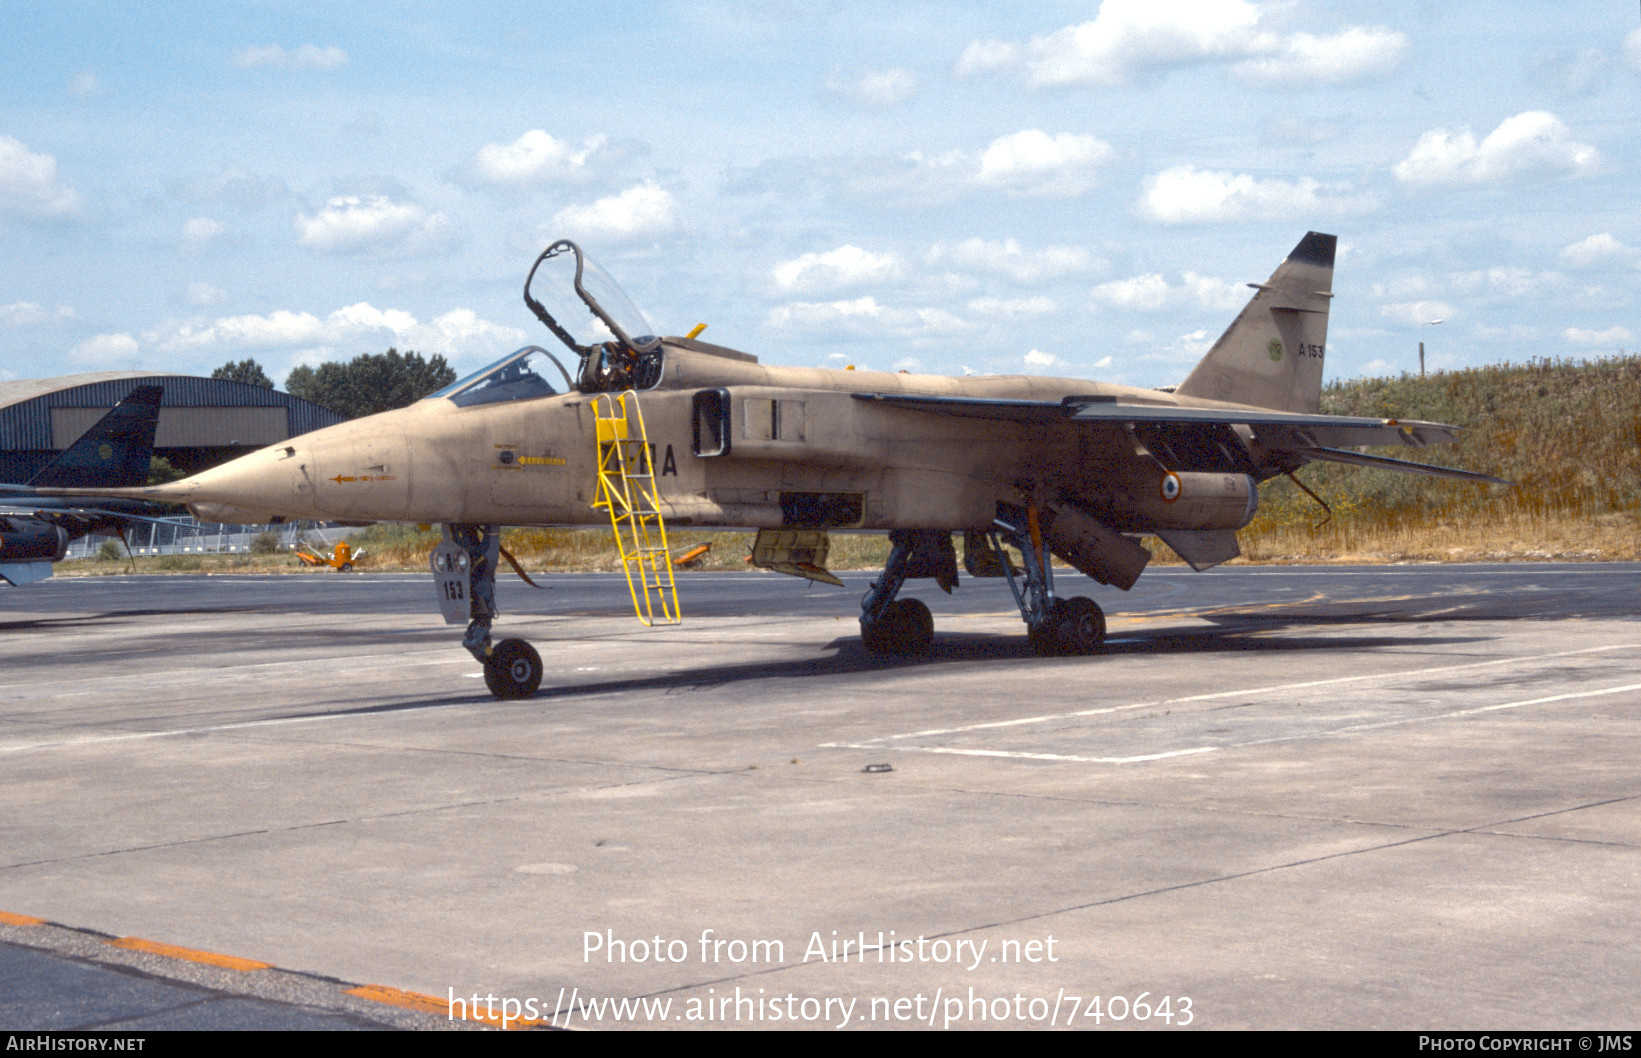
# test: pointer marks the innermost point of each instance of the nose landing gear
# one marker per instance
(464, 572)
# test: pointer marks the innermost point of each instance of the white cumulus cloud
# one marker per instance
(199, 231)
(205, 295)
(1129, 40)
(1008, 258)
(985, 56)
(1034, 163)
(1009, 308)
(1357, 54)
(536, 156)
(875, 88)
(1417, 313)
(1212, 292)
(104, 350)
(27, 315)
(1145, 293)
(1185, 194)
(834, 269)
(1611, 337)
(452, 333)
(307, 57)
(374, 223)
(1151, 293)
(1599, 251)
(29, 183)
(865, 317)
(643, 211)
(1532, 144)
(1512, 283)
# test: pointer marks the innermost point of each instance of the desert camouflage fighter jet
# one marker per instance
(35, 529)
(1048, 466)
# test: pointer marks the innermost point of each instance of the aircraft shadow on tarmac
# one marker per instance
(51, 622)
(849, 656)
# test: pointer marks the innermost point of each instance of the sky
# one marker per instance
(1079, 189)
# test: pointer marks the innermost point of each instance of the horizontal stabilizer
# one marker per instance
(1357, 459)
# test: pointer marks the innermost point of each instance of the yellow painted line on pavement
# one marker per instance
(398, 997)
(172, 951)
(9, 919)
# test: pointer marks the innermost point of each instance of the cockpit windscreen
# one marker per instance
(518, 376)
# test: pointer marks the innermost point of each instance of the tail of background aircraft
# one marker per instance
(114, 453)
(1271, 356)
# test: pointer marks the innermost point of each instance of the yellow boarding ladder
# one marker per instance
(626, 488)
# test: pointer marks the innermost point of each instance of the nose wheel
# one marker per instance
(513, 669)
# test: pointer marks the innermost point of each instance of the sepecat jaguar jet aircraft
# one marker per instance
(1048, 466)
(35, 530)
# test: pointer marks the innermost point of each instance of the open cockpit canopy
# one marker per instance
(588, 311)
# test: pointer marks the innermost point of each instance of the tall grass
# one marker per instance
(1567, 433)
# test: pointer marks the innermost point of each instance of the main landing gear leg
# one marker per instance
(464, 567)
(1054, 626)
(896, 626)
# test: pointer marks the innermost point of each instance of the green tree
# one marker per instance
(247, 371)
(160, 471)
(370, 383)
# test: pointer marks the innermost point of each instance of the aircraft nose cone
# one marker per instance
(354, 471)
(275, 482)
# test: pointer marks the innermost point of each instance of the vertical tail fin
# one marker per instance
(114, 453)
(1271, 356)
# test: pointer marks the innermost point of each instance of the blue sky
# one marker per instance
(1063, 188)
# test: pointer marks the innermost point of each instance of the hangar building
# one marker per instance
(203, 421)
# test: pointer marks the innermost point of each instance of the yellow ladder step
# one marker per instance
(626, 488)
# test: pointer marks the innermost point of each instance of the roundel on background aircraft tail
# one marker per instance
(1275, 349)
(1169, 487)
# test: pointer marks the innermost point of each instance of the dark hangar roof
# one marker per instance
(29, 407)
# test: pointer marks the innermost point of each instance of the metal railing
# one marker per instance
(188, 537)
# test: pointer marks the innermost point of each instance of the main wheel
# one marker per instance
(1081, 627)
(513, 669)
(905, 627)
(1044, 637)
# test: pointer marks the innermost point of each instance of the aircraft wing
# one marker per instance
(85, 515)
(1298, 435)
(1309, 431)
